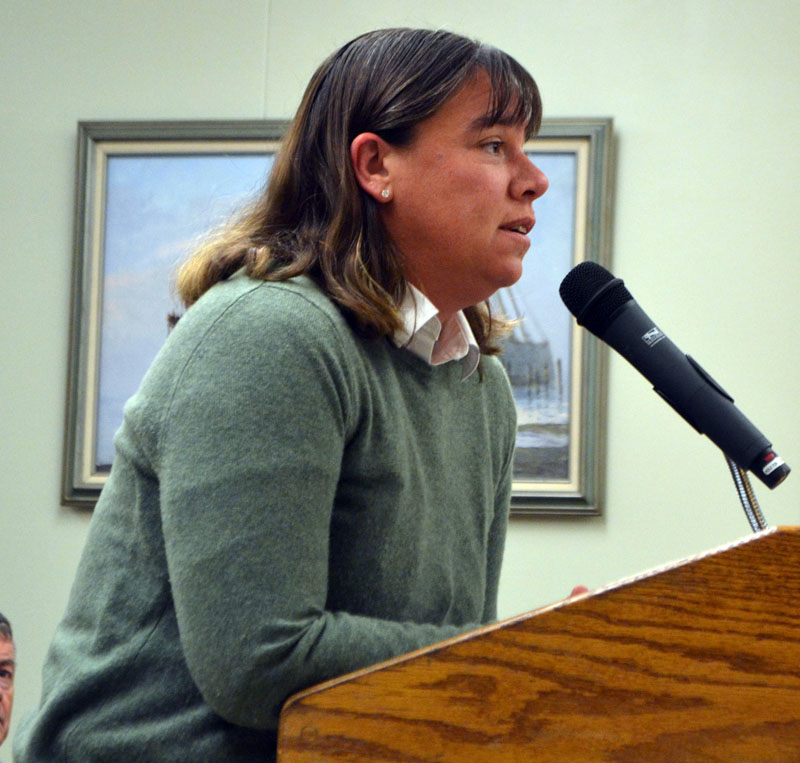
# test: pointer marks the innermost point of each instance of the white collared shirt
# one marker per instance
(423, 334)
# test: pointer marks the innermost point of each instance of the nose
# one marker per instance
(531, 182)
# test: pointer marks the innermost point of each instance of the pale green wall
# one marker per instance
(704, 97)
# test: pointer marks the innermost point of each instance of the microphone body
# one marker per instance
(611, 313)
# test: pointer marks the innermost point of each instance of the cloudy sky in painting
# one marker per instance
(157, 207)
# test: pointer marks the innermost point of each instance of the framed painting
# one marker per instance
(148, 191)
(555, 367)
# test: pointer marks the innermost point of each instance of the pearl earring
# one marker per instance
(385, 193)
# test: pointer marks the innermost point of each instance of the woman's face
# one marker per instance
(461, 205)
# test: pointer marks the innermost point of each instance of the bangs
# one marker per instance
(515, 96)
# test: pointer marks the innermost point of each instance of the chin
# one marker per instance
(492, 289)
(509, 275)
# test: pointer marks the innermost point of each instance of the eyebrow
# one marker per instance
(486, 121)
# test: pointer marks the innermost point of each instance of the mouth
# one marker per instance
(522, 226)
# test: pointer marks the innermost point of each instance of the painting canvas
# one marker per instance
(149, 191)
(537, 355)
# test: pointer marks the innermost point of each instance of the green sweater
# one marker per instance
(288, 502)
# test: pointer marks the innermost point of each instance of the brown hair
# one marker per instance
(313, 217)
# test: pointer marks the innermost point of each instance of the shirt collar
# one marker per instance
(422, 334)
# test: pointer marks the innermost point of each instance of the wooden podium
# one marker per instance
(695, 661)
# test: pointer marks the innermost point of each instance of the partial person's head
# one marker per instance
(321, 215)
(7, 666)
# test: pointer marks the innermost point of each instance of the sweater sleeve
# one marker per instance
(249, 456)
(502, 505)
(496, 545)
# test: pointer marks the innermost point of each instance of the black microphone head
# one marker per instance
(593, 295)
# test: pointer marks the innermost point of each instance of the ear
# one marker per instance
(368, 154)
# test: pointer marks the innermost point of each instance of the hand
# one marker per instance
(578, 590)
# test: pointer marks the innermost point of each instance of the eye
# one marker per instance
(494, 147)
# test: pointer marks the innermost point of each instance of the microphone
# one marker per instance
(602, 304)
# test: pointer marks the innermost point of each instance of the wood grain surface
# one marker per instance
(699, 661)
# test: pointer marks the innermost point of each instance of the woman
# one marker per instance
(315, 473)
